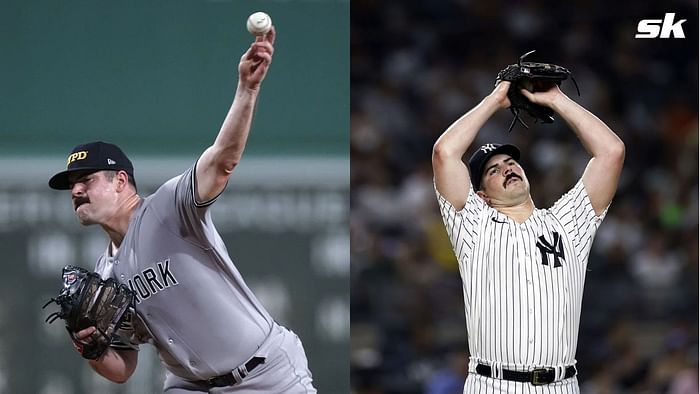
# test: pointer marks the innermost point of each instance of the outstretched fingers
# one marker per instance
(257, 59)
(269, 36)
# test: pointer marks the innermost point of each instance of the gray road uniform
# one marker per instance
(194, 306)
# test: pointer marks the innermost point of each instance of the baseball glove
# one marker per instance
(529, 75)
(85, 301)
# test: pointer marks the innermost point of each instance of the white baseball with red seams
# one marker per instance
(259, 23)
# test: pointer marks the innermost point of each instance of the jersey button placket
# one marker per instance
(529, 267)
(531, 322)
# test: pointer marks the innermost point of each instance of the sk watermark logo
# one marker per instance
(657, 28)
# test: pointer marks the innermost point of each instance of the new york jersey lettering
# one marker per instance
(151, 281)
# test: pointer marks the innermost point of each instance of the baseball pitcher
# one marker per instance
(190, 301)
(522, 267)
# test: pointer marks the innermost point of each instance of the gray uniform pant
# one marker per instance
(285, 371)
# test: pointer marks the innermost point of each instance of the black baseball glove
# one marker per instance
(531, 76)
(86, 300)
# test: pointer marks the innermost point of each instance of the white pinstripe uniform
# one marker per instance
(522, 301)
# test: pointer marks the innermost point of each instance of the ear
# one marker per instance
(484, 197)
(122, 180)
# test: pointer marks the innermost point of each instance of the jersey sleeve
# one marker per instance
(462, 226)
(575, 212)
(176, 206)
(186, 192)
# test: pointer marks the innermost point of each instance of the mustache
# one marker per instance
(78, 201)
(510, 176)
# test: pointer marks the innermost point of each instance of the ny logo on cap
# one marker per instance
(487, 148)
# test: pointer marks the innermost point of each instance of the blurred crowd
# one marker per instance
(416, 67)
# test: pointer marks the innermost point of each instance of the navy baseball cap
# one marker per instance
(483, 154)
(93, 156)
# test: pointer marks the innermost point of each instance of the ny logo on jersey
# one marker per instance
(556, 249)
(487, 148)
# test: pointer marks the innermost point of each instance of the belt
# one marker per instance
(537, 377)
(236, 376)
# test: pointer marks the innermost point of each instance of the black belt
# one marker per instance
(236, 376)
(537, 376)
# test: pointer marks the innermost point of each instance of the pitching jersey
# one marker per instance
(522, 283)
(192, 303)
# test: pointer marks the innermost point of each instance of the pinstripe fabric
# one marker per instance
(520, 313)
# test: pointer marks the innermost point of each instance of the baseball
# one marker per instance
(259, 23)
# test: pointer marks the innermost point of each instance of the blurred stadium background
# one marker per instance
(415, 68)
(157, 78)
